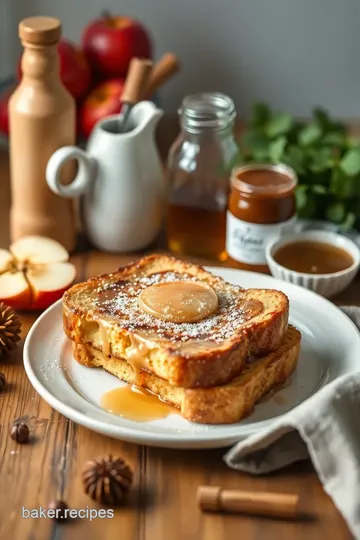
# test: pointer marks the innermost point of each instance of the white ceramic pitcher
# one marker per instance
(121, 179)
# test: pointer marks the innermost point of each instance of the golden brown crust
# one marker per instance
(218, 405)
(199, 364)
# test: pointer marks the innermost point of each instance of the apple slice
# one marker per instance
(35, 273)
(49, 282)
(6, 260)
(38, 250)
(15, 290)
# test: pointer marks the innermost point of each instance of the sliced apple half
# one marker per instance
(38, 250)
(34, 273)
(15, 290)
(49, 282)
(6, 260)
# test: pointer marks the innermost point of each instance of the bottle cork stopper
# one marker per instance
(40, 30)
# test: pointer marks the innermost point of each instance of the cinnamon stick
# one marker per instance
(136, 80)
(163, 70)
(276, 505)
(135, 83)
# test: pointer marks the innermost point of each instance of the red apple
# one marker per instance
(75, 72)
(112, 41)
(74, 69)
(102, 101)
(34, 273)
(4, 110)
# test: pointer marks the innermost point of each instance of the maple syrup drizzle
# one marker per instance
(104, 338)
(137, 356)
(135, 404)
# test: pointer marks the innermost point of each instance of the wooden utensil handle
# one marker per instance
(136, 80)
(165, 68)
(216, 499)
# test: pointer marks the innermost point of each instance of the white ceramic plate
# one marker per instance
(330, 347)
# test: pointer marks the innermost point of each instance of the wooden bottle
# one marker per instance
(42, 119)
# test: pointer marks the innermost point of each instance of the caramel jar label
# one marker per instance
(247, 242)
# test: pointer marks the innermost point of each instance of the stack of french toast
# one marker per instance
(209, 348)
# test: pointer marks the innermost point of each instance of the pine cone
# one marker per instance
(10, 329)
(107, 480)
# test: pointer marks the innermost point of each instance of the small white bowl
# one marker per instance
(325, 284)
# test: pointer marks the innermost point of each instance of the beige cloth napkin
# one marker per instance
(324, 428)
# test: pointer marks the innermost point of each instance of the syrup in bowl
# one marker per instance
(313, 257)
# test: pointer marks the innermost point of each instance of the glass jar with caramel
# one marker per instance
(199, 167)
(261, 208)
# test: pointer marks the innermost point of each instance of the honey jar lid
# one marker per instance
(264, 179)
(40, 30)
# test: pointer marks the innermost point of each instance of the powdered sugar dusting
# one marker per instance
(119, 300)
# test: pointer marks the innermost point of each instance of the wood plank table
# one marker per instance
(162, 505)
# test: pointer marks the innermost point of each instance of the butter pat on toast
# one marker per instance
(104, 313)
(225, 404)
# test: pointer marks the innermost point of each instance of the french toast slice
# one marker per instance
(224, 404)
(104, 313)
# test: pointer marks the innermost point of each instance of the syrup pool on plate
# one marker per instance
(136, 404)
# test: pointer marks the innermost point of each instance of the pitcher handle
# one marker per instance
(85, 174)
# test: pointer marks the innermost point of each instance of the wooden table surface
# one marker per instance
(162, 505)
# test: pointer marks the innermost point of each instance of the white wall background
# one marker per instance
(293, 54)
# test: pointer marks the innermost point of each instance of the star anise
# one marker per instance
(107, 480)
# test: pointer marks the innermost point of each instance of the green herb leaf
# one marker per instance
(255, 145)
(325, 158)
(352, 142)
(336, 182)
(338, 126)
(356, 188)
(276, 149)
(301, 196)
(295, 158)
(310, 134)
(260, 114)
(341, 185)
(322, 159)
(321, 116)
(348, 222)
(309, 209)
(350, 163)
(336, 212)
(319, 189)
(252, 139)
(334, 138)
(279, 124)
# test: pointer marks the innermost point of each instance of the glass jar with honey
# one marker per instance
(261, 208)
(199, 167)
